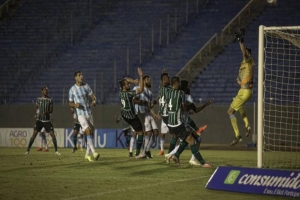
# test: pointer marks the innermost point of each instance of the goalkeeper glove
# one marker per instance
(240, 35)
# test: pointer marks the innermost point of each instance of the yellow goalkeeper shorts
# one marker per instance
(241, 98)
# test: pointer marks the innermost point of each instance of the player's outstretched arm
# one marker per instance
(240, 38)
(199, 108)
(141, 81)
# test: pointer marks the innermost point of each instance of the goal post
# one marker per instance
(278, 111)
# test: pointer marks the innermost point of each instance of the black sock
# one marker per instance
(75, 141)
(181, 148)
(54, 143)
(139, 143)
(30, 143)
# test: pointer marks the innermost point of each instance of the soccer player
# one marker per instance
(76, 128)
(189, 123)
(126, 132)
(43, 110)
(43, 141)
(163, 91)
(79, 95)
(148, 116)
(176, 105)
(128, 112)
(245, 80)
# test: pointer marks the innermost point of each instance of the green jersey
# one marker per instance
(127, 107)
(175, 100)
(163, 93)
(43, 107)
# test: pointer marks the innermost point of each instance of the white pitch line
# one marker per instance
(132, 188)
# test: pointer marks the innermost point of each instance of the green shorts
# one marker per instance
(241, 98)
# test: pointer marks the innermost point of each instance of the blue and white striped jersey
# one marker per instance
(81, 94)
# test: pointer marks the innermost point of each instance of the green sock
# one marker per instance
(192, 124)
(54, 143)
(75, 141)
(197, 154)
(244, 116)
(181, 148)
(30, 143)
(139, 143)
(172, 144)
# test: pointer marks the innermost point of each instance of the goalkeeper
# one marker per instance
(245, 80)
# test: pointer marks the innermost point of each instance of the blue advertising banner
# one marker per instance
(103, 138)
(256, 181)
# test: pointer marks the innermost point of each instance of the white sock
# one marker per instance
(146, 141)
(87, 152)
(174, 151)
(79, 142)
(132, 141)
(41, 140)
(162, 142)
(45, 141)
(193, 158)
(90, 144)
(148, 147)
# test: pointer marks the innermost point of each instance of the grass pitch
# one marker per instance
(43, 175)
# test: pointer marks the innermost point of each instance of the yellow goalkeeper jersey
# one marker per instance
(246, 73)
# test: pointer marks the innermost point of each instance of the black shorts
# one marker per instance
(165, 119)
(180, 131)
(135, 123)
(77, 127)
(47, 125)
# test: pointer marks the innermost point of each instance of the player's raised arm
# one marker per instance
(240, 37)
(141, 81)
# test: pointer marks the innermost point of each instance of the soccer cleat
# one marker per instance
(96, 155)
(148, 155)
(194, 162)
(39, 149)
(130, 154)
(176, 160)
(167, 158)
(141, 156)
(161, 153)
(46, 150)
(248, 130)
(57, 153)
(201, 129)
(27, 152)
(236, 140)
(207, 165)
(89, 158)
(74, 149)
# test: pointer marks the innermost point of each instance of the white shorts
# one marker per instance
(150, 123)
(86, 121)
(164, 128)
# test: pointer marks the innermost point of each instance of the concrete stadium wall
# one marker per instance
(219, 129)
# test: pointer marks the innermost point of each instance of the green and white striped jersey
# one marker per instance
(127, 107)
(43, 106)
(163, 93)
(175, 100)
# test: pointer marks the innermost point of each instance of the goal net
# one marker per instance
(279, 97)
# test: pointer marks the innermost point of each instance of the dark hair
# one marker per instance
(77, 72)
(162, 75)
(145, 76)
(175, 79)
(45, 87)
(121, 83)
(184, 85)
(248, 49)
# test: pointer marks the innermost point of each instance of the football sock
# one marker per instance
(181, 148)
(244, 116)
(234, 125)
(87, 152)
(172, 144)
(148, 147)
(197, 154)
(30, 143)
(162, 142)
(54, 143)
(90, 143)
(41, 140)
(44, 141)
(174, 151)
(127, 140)
(139, 144)
(132, 140)
(75, 141)
(146, 143)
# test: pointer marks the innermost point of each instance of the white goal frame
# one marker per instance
(260, 117)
